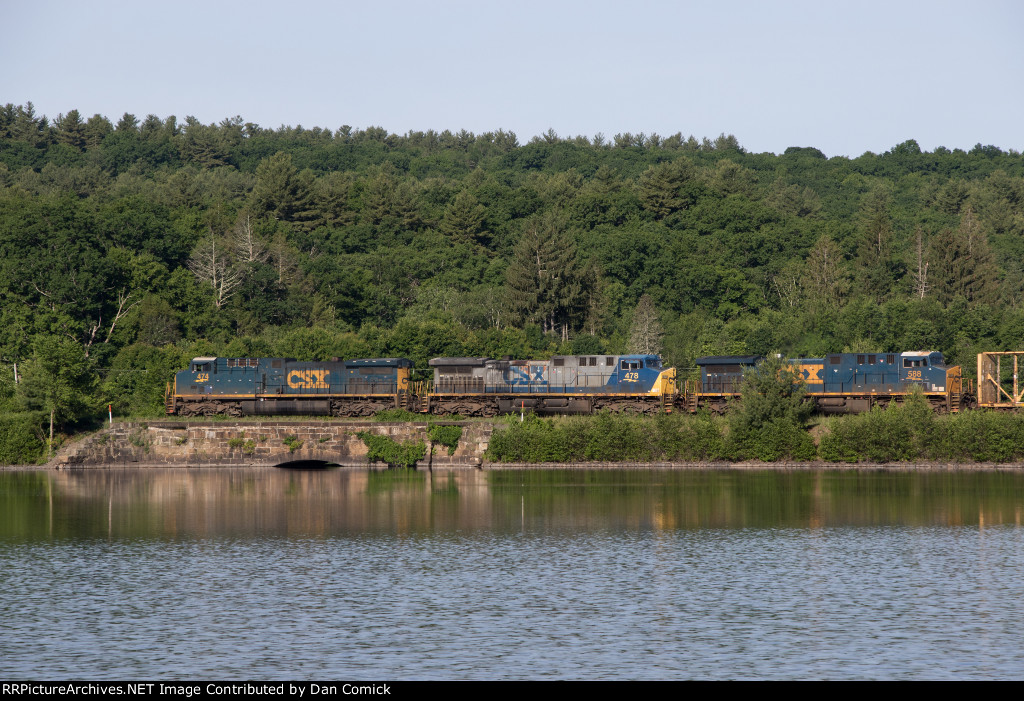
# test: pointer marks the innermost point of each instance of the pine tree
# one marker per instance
(664, 188)
(282, 192)
(463, 220)
(963, 263)
(873, 252)
(544, 283)
(71, 130)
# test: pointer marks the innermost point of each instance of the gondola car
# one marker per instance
(564, 384)
(840, 383)
(240, 386)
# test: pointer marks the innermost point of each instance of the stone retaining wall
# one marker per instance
(261, 443)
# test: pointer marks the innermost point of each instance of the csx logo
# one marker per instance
(532, 374)
(308, 379)
(809, 373)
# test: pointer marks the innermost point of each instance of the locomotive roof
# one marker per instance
(379, 362)
(729, 360)
(458, 361)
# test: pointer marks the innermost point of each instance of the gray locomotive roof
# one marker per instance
(477, 362)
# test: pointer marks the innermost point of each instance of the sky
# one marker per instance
(845, 78)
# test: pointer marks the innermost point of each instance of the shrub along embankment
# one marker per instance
(21, 437)
(913, 432)
(898, 434)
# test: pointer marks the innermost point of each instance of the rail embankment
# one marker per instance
(899, 436)
(268, 443)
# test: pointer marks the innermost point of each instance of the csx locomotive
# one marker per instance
(565, 384)
(838, 383)
(237, 386)
(841, 383)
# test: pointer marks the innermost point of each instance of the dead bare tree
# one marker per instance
(248, 246)
(645, 333)
(211, 264)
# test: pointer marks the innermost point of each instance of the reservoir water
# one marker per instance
(611, 574)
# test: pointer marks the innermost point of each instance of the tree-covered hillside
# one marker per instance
(127, 248)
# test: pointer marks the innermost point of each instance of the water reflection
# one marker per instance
(203, 503)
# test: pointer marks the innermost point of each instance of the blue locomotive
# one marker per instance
(238, 386)
(842, 382)
(564, 384)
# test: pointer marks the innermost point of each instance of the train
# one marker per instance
(563, 384)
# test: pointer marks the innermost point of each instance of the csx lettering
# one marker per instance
(308, 379)
(809, 372)
(518, 376)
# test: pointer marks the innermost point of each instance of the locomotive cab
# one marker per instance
(197, 379)
(926, 369)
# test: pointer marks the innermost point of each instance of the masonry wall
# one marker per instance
(259, 443)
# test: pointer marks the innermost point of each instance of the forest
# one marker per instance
(128, 247)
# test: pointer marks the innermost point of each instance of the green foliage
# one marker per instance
(139, 438)
(609, 437)
(769, 422)
(293, 443)
(403, 415)
(385, 449)
(60, 379)
(897, 434)
(21, 437)
(545, 282)
(448, 436)
(911, 432)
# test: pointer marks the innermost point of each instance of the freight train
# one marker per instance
(837, 383)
